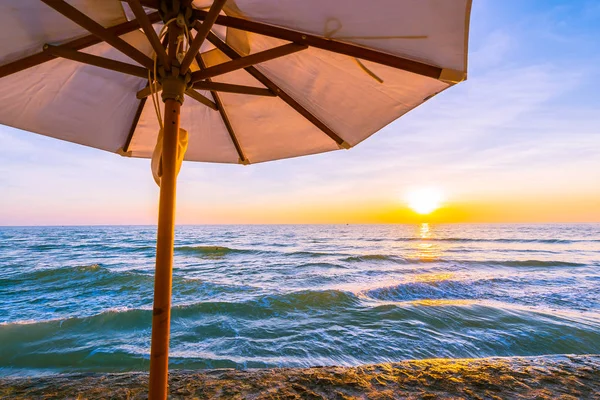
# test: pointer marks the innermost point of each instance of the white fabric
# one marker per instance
(378, 24)
(95, 107)
(364, 105)
(28, 24)
(156, 163)
(75, 102)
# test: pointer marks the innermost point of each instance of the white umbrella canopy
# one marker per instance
(347, 102)
(263, 80)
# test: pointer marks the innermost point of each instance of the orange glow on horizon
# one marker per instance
(524, 210)
(539, 209)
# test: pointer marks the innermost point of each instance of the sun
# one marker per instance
(424, 200)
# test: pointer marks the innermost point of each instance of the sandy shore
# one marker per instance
(563, 377)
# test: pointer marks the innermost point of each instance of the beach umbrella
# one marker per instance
(247, 81)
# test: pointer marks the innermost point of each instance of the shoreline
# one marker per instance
(540, 377)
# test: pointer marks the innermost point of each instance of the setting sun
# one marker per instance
(424, 200)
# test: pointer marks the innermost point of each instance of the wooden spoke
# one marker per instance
(259, 76)
(219, 87)
(142, 94)
(243, 62)
(95, 28)
(230, 88)
(202, 29)
(236, 143)
(106, 63)
(145, 92)
(136, 119)
(326, 44)
(146, 25)
(198, 97)
(77, 44)
(243, 159)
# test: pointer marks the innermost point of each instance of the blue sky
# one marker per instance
(523, 133)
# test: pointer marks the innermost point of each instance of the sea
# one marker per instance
(79, 299)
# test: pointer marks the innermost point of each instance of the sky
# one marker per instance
(518, 142)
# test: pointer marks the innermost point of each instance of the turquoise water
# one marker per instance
(80, 298)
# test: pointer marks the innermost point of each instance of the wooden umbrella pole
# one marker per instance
(161, 313)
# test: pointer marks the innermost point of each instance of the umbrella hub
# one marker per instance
(177, 15)
(173, 83)
(180, 10)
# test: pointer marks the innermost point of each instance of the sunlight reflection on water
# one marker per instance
(427, 250)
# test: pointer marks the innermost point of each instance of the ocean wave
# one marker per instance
(324, 265)
(103, 247)
(61, 272)
(311, 254)
(505, 263)
(137, 249)
(378, 257)
(46, 246)
(514, 263)
(238, 333)
(532, 263)
(81, 281)
(94, 275)
(212, 251)
(429, 291)
(120, 319)
(222, 251)
(270, 305)
(425, 290)
(497, 240)
(260, 306)
(514, 291)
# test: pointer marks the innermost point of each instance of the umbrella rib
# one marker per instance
(259, 76)
(243, 62)
(106, 63)
(326, 44)
(134, 123)
(95, 28)
(147, 91)
(138, 114)
(219, 87)
(201, 99)
(202, 28)
(146, 25)
(231, 88)
(77, 44)
(224, 117)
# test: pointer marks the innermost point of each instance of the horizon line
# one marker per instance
(307, 224)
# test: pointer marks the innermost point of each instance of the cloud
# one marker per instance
(492, 52)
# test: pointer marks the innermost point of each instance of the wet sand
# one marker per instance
(551, 377)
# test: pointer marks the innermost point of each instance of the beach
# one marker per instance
(557, 377)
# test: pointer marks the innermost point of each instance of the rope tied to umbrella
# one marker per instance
(182, 46)
(330, 32)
